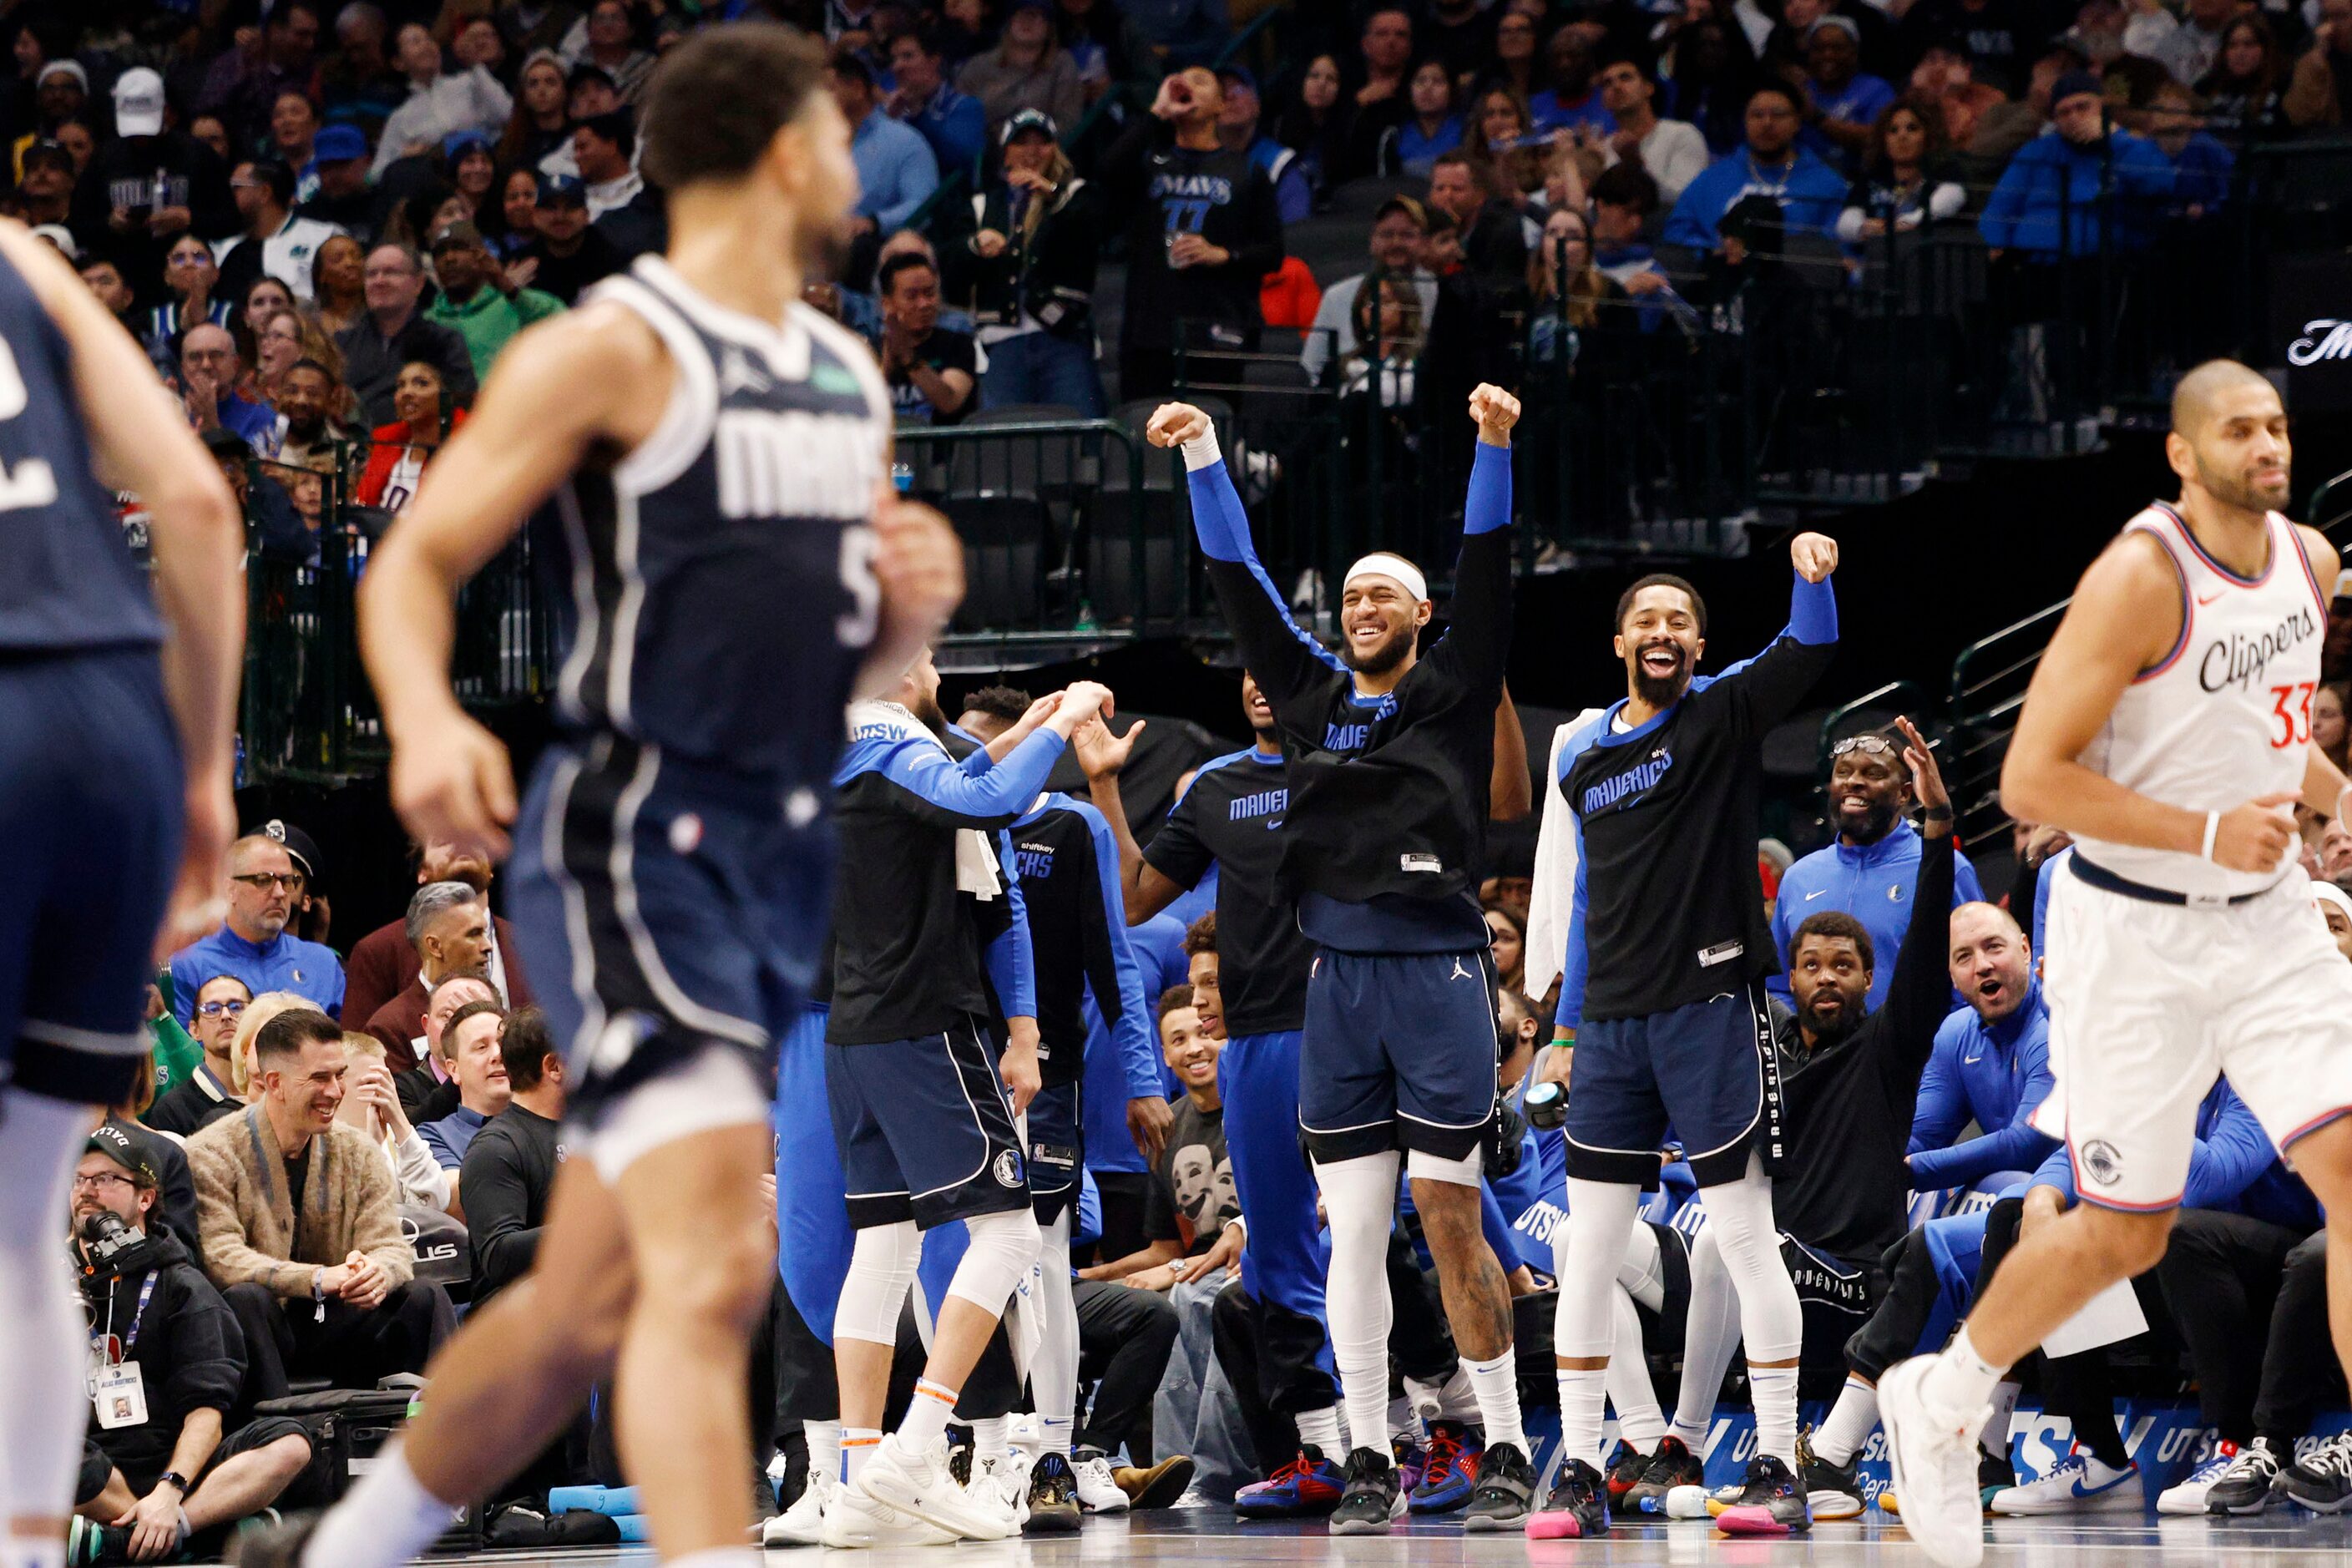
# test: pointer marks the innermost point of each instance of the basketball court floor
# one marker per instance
(1172, 1538)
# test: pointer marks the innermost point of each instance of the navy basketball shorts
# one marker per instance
(677, 913)
(90, 792)
(1057, 1148)
(1399, 1053)
(1699, 1068)
(925, 1130)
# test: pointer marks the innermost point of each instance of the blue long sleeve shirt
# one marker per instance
(1810, 191)
(1872, 882)
(1993, 1074)
(896, 170)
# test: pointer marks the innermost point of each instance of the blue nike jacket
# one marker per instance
(1993, 1074)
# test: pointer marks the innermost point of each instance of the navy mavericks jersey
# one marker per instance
(66, 578)
(1231, 817)
(1068, 867)
(719, 578)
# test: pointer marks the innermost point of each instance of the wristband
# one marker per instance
(1937, 813)
(2212, 828)
(1201, 450)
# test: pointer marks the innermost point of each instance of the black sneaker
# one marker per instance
(1773, 1502)
(1507, 1484)
(2251, 1483)
(1995, 1473)
(1576, 1508)
(279, 1545)
(1673, 1465)
(2322, 1479)
(1053, 1496)
(1832, 1492)
(1372, 1498)
(1627, 1466)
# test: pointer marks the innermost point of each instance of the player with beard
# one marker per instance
(1388, 754)
(1849, 1074)
(1667, 952)
(711, 449)
(1870, 870)
(2167, 729)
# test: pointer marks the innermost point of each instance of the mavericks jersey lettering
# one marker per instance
(2226, 715)
(1233, 818)
(68, 581)
(719, 578)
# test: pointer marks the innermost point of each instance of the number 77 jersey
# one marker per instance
(2226, 715)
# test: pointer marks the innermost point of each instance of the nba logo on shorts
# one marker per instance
(2101, 1163)
(1008, 1168)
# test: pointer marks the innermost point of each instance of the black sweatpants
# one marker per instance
(1892, 1331)
(2300, 1371)
(1124, 1338)
(351, 1347)
(2221, 1275)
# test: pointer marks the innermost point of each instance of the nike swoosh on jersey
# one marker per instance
(1816, 893)
(2203, 599)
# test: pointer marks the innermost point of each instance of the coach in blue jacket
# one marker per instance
(1991, 1060)
(1771, 164)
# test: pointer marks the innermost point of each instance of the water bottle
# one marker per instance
(902, 476)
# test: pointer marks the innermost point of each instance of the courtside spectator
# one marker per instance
(448, 930)
(469, 1055)
(210, 370)
(372, 1104)
(192, 283)
(1205, 232)
(428, 1092)
(1028, 272)
(2102, 183)
(477, 299)
(509, 1168)
(384, 961)
(398, 452)
(204, 1096)
(159, 1464)
(896, 170)
(932, 373)
(1808, 192)
(308, 431)
(264, 884)
(300, 1229)
(391, 332)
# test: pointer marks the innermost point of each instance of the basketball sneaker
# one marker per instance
(2077, 1483)
(1372, 1497)
(1772, 1502)
(1673, 1465)
(1008, 1474)
(1449, 1467)
(1504, 1487)
(853, 1518)
(1930, 1455)
(2322, 1479)
(1626, 1467)
(1097, 1491)
(1052, 1497)
(918, 1482)
(2247, 1486)
(1832, 1492)
(801, 1524)
(1307, 1488)
(1577, 1506)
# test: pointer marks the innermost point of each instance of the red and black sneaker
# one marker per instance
(1673, 1465)
(1627, 1466)
(1307, 1488)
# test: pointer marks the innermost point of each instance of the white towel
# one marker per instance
(976, 869)
(1554, 896)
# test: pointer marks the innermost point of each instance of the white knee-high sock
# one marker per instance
(1847, 1425)
(1054, 1375)
(1710, 1333)
(44, 1352)
(1497, 1386)
(1639, 1421)
(824, 1449)
(1360, 1198)
(386, 1519)
(1771, 1320)
(1600, 1217)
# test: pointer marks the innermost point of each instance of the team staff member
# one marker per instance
(1230, 821)
(1992, 1062)
(1667, 952)
(1389, 755)
(1850, 1074)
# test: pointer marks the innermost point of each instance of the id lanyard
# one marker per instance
(105, 1342)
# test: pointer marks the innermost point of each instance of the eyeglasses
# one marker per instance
(1869, 745)
(101, 1179)
(265, 880)
(215, 1009)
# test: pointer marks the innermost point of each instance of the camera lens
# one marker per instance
(1545, 1106)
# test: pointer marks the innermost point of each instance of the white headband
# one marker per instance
(2329, 893)
(1381, 564)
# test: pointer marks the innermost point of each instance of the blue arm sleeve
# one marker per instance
(1499, 1234)
(1217, 515)
(925, 772)
(1812, 611)
(1285, 660)
(2224, 1163)
(1488, 505)
(2056, 1171)
(1010, 965)
(1132, 1031)
(1574, 967)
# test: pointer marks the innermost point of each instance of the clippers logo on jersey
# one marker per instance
(2239, 661)
(1626, 789)
(1265, 803)
(793, 464)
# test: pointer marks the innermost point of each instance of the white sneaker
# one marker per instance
(1097, 1491)
(803, 1524)
(2188, 1497)
(1008, 1474)
(853, 1520)
(1934, 1461)
(2077, 1482)
(916, 1481)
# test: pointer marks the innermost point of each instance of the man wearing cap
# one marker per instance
(275, 242)
(393, 332)
(440, 102)
(168, 1364)
(1399, 229)
(568, 254)
(1237, 131)
(2081, 173)
(1389, 767)
(345, 198)
(150, 186)
(1028, 272)
(896, 172)
(477, 301)
(267, 871)
(60, 93)
(954, 122)
(1846, 99)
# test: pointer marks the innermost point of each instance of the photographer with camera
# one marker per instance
(167, 1363)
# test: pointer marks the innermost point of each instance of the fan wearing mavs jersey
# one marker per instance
(1662, 1012)
(712, 458)
(2168, 729)
(1388, 754)
(114, 800)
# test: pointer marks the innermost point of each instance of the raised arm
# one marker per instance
(2125, 616)
(1144, 888)
(927, 783)
(1116, 978)
(1772, 684)
(1477, 642)
(1919, 993)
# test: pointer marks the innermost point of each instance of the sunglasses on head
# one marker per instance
(1869, 745)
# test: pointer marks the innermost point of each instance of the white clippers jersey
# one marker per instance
(2227, 715)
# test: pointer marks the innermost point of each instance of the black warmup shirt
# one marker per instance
(1668, 908)
(1233, 818)
(508, 1171)
(1842, 1186)
(1075, 941)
